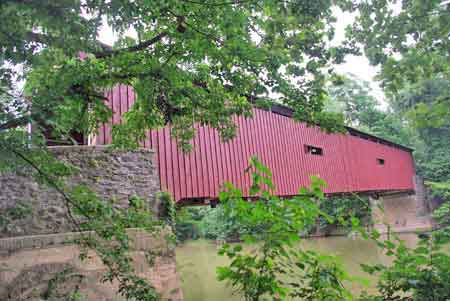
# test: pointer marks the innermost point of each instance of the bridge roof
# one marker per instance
(288, 112)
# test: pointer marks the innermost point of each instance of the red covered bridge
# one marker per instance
(353, 162)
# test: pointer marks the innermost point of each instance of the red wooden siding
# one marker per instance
(348, 164)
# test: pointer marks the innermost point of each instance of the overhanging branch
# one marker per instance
(138, 47)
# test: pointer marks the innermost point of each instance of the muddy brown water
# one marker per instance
(197, 261)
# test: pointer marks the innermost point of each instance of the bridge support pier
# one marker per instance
(403, 212)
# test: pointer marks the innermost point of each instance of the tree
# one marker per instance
(432, 131)
(190, 62)
(354, 98)
(410, 41)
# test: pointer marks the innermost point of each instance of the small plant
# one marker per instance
(277, 268)
(76, 296)
(54, 282)
(168, 210)
(20, 211)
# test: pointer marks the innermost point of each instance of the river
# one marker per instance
(197, 261)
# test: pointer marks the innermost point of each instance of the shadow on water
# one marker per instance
(197, 261)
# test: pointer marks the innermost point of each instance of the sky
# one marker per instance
(356, 65)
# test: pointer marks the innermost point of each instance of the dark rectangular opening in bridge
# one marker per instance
(313, 150)
(380, 161)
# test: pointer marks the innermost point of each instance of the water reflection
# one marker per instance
(197, 262)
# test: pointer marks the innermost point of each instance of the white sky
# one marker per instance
(356, 65)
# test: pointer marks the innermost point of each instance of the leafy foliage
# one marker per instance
(112, 242)
(168, 210)
(354, 98)
(343, 208)
(204, 60)
(50, 293)
(439, 189)
(423, 103)
(409, 40)
(187, 223)
(421, 273)
(417, 30)
(275, 227)
(217, 223)
(442, 214)
(208, 223)
(432, 154)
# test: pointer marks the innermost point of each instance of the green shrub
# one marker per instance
(274, 225)
(168, 209)
(187, 223)
(344, 208)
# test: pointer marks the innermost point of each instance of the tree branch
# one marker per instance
(138, 47)
(225, 3)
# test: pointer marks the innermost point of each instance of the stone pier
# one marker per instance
(403, 212)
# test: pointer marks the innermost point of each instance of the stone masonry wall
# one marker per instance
(112, 174)
(36, 238)
(47, 267)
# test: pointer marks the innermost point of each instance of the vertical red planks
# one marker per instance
(348, 164)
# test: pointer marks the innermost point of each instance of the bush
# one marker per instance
(344, 208)
(418, 274)
(187, 223)
(278, 268)
(213, 223)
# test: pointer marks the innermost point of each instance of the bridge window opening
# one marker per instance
(313, 150)
(380, 161)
